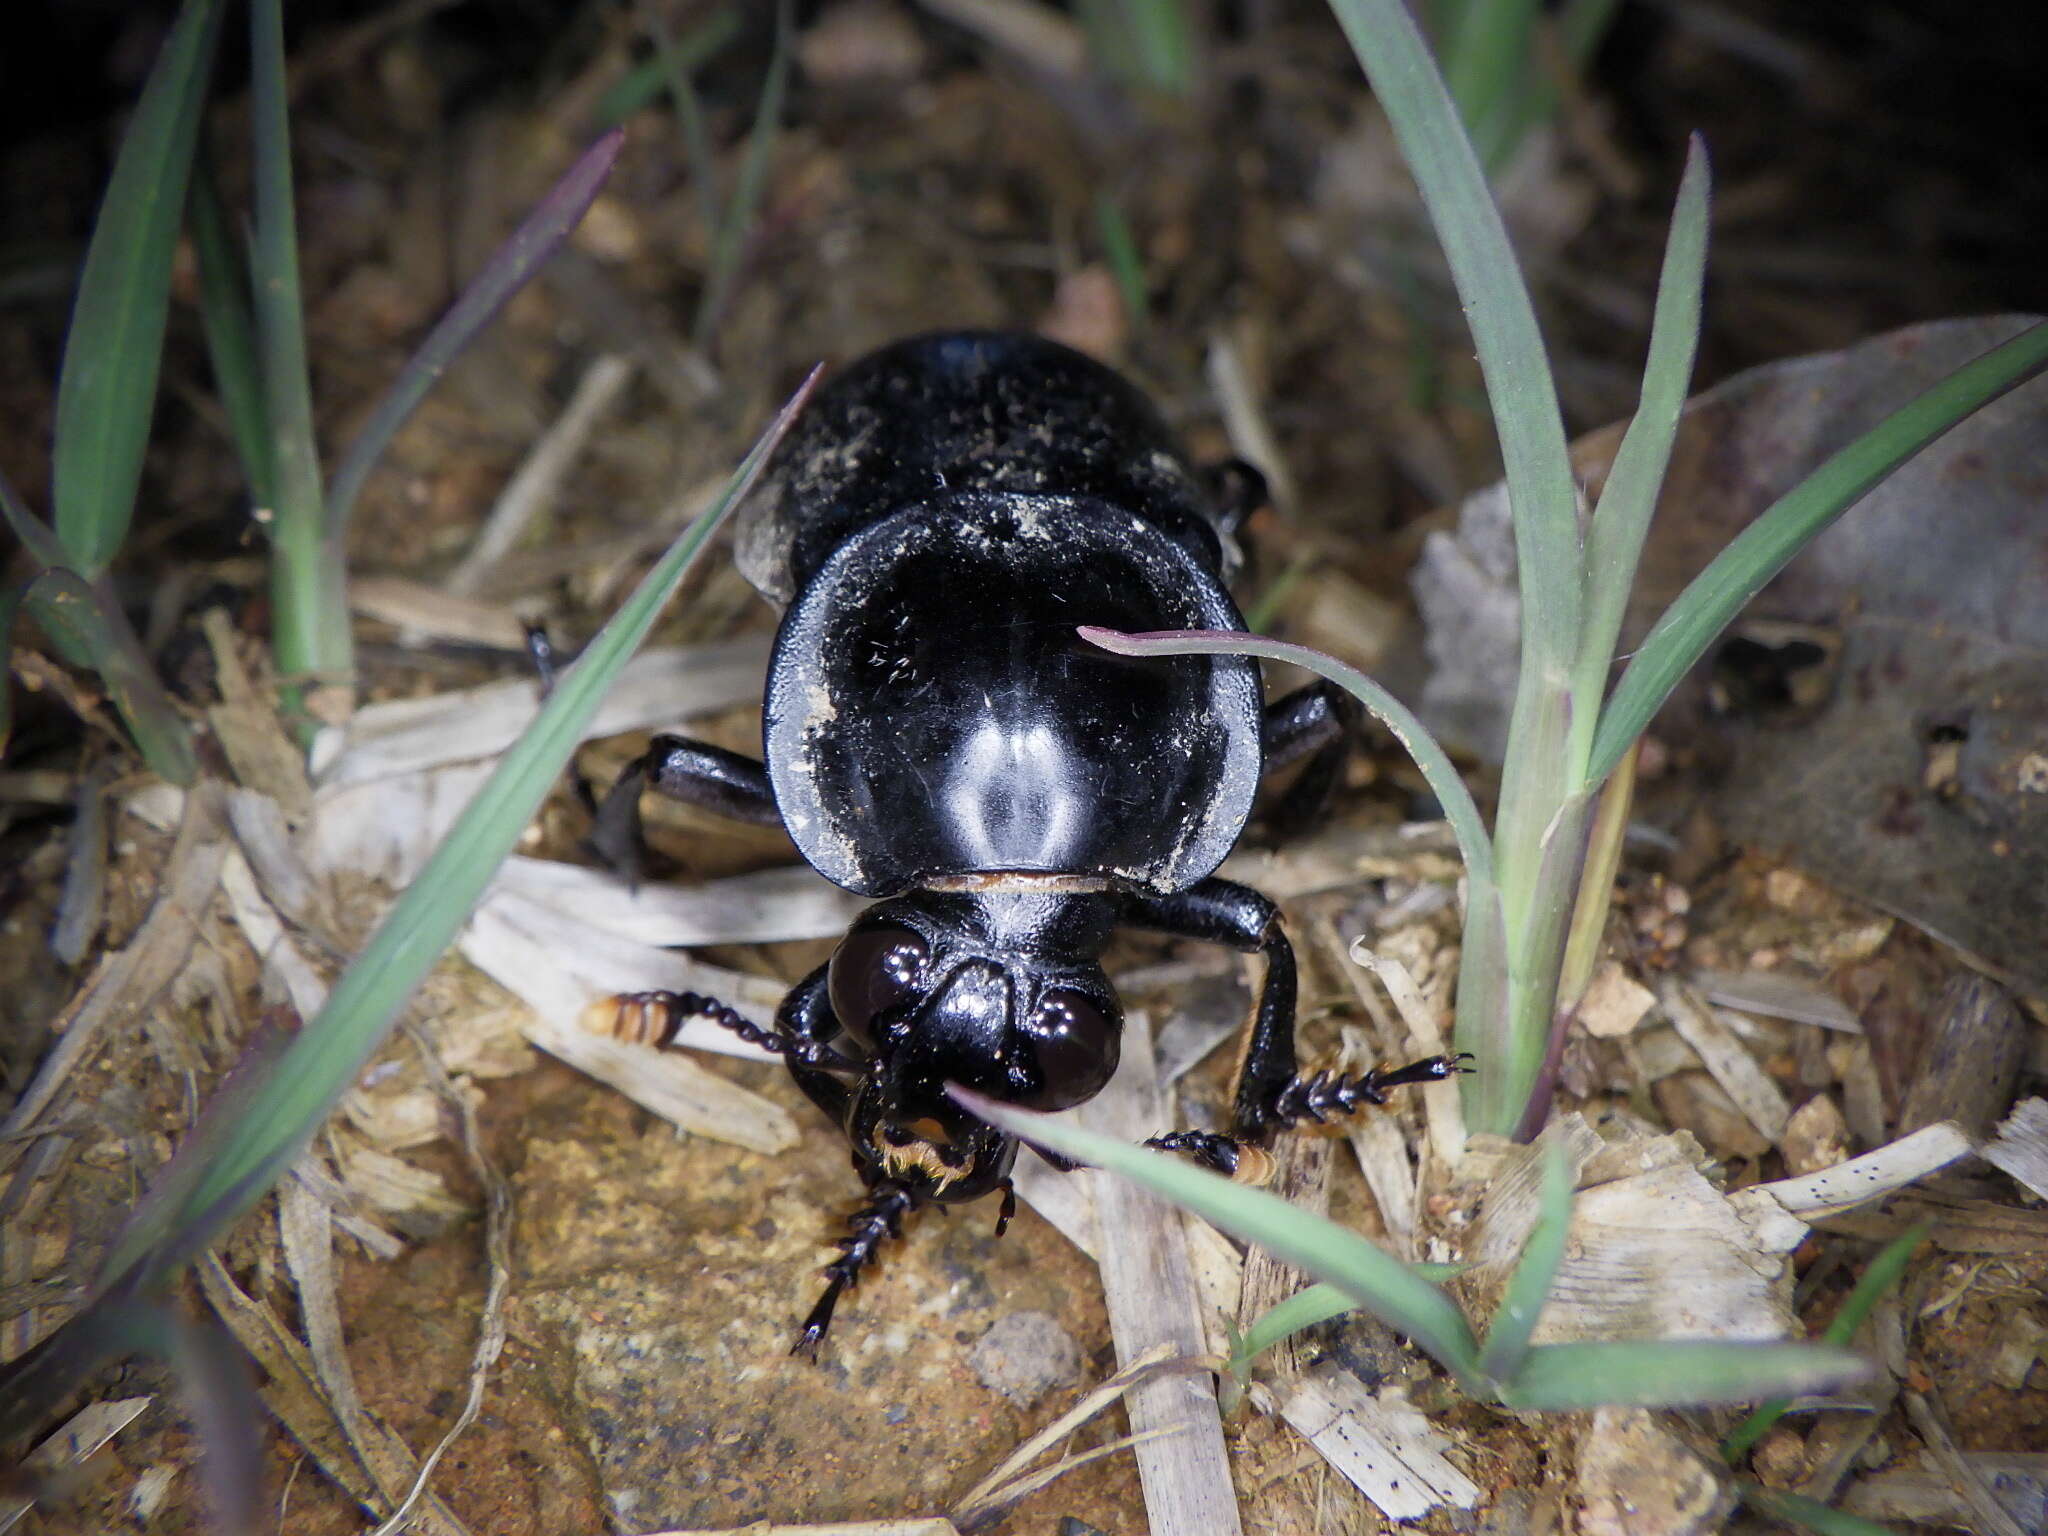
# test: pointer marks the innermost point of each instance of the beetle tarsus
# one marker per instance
(1326, 1096)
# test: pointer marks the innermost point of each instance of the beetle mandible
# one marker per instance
(936, 524)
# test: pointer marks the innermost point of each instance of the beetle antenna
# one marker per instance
(656, 1018)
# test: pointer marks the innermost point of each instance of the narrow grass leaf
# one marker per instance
(106, 393)
(1882, 1274)
(1484, 1019)
(1629, 498)
(675, 71)
(640, 85)
(1120, 250)
(1677, 1373)
(1489, 64)
(1511, 355)
(1809, 1514)
(1162, 34)
(230, 330)
(738, 219)
(1692, 623)
(1317, 1303)
(1435, 763)
(1596, 883)
(324, 1058)
(89, 631)
(1314, 1304)
(36, 537)
(1375, 1281)
(310, 632)
(1507, 1336)
(1577, 28)
(538, 236)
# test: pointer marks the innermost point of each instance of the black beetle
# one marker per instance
(937, 523)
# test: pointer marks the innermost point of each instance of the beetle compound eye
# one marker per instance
(873, 971)
(1075, 1040)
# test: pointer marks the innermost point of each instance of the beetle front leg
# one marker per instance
(1271, 1093)
(879, 1219)
(694, 772)
(1224, 912)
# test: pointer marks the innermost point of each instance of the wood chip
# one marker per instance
(537, 484)
(129, 980)
(2021, 1146)
(81, 1436)
(1148, 1281)
(1816, 1136)
(1615, 1002)
(1739, 1074)
(657, 688)
(1872, 1176)
(1970, 1061)
(245, 722)
(558, 966)
(1778, 995)
(421, 610)
(1386, 1448)
(767, 906)
(310, 1419)
(1926, 1494)
(1655, 1251)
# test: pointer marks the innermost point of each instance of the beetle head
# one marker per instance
(997, 991)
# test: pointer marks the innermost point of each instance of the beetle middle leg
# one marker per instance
(695, 772)
(1319, 722)
(1271, 1092)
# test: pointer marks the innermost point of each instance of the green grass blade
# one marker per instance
(82, 621)
(1304, 1309)
(88, 629)
(1375, 1281)
(1677, 1373)
(230, 331)
(1691, 624)
(690, 52)
(1881, 1276)
(1630, 497)
(1797, 1509)
(1497, 307)
(1489, 63)
(1314, 1304)
(106, 393)
(36, 537)
(310, 632)
(510, 266)
(1435, 763)
(738, 219)
(675, 69)
(1485, 1021)
(1507, 1336)
(1120, 250)
(284, 1111)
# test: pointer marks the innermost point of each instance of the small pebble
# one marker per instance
(1026, 1355)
